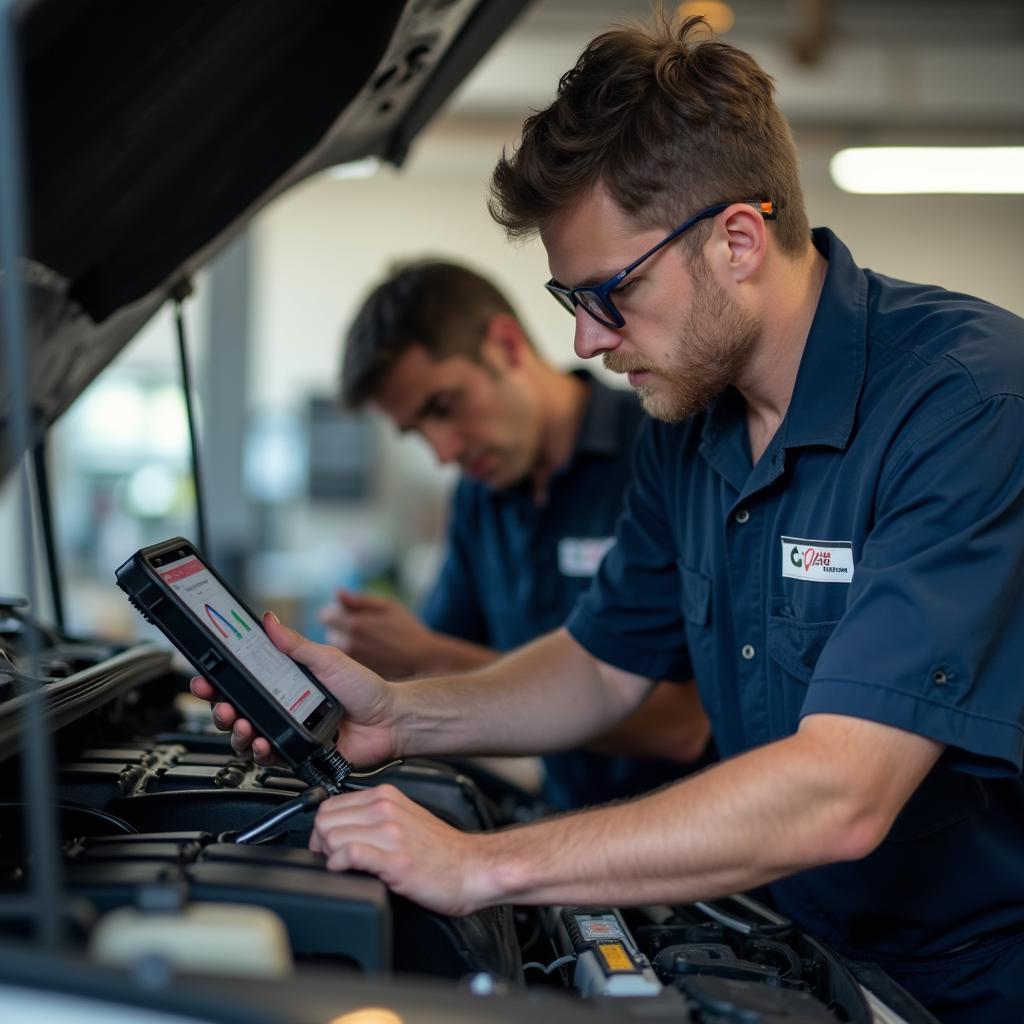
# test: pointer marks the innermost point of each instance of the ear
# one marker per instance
(740, 242)
(505, 342)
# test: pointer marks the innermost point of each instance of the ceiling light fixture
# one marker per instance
(367, 167)
(718, 15)
(906, 170)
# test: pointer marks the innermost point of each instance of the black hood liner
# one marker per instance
(156, 129)
(143, 145)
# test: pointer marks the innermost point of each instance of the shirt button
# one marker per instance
(742, 516)
(748, 652)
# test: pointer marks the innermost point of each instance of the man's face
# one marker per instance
(481, 415)
(685, 339)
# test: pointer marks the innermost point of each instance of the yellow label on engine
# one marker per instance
(615, 956)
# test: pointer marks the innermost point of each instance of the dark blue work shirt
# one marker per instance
(870, 564)
(514, 570)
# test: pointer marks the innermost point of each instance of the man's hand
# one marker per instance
(383, 634)
(828, 793)
(367, 732)
(380, 830)
(380, 632)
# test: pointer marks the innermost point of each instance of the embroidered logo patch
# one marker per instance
(823, 561)
(580, 556)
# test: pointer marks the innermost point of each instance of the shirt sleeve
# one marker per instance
(932, 640)
(453, 605)
(631, 616)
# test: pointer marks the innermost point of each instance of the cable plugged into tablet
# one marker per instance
(325, 767)
(306, 801)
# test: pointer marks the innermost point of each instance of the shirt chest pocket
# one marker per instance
(793, 651)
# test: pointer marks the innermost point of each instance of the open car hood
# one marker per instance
(154, 132)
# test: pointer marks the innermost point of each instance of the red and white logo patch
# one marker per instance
(821, 561)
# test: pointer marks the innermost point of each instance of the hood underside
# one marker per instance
(154, 132)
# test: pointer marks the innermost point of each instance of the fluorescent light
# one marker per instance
(929, 169)
(365, 168)
(719, 16)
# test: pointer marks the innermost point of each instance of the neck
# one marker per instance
(769, 379)
(562, 400)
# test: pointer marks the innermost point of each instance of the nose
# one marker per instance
(445, 441)
(592, 338)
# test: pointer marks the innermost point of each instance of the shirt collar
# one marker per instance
(831, 374)
(827, 388)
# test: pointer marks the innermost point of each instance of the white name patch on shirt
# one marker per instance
(580, 556)
(822, 561)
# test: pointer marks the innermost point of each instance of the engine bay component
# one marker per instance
(608, 962)
(151, 799)
(214, 938)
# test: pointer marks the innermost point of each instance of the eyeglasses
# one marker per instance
(596, 299)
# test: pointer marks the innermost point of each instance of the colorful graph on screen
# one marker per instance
(208, 599)
(216, 619)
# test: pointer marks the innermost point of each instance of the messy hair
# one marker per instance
(443, 307)
(668, 121)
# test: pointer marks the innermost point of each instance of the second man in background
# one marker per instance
(545, 457)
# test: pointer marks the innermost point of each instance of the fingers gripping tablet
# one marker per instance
(180, 593)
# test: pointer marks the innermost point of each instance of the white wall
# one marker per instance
(966, 243)
(321, 246)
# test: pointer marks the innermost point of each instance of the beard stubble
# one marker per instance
(714, 341)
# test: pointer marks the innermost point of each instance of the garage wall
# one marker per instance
(320, 247)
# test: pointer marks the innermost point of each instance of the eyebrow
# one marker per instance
(422, 412)
(591, 281)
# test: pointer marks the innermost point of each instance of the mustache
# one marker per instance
(624, 362)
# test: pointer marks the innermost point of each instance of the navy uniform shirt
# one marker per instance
(870, 564)
(514, 571)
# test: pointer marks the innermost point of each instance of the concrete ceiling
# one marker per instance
(945, 67)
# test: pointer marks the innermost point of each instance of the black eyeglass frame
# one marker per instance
(570, 298)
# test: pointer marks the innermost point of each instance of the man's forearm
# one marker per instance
(550, 695)
(733, 827)
(451, 654)
(774, 811)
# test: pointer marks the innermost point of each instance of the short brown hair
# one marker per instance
(669, 124)
(444, 307)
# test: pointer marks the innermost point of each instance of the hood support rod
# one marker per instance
(38, 788)
(182, 291)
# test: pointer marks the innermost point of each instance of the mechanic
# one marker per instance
(826, 523)
(545, 457)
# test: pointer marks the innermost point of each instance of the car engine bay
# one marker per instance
(150, 797)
